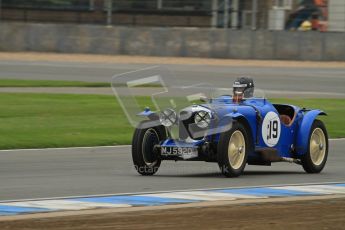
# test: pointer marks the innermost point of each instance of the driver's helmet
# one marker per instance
(243, 87)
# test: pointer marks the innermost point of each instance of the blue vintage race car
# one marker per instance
(232, 130)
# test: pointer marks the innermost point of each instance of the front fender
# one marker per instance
(149, 114)
(241, 118)
(152, 119)
(224, 123)
(304, 130)
(233, 115)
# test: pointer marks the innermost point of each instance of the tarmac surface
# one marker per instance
(310, 81)
(26, 174)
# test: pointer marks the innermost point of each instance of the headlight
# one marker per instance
(168, 117)
(202, 119)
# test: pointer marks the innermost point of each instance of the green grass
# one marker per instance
(51, 120)
(62, 120)
(49, 83)
(335, 109)
(52, 83)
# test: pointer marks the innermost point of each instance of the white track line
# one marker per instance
(178, 195)
(63, 64)
(67, 148)
(204, 195)
(201, 196)
(335, 189)
(337, 139)
(198, 196)
(322, 189)
(223, 195)
(170, 191)
(95, 147)
(64, 204)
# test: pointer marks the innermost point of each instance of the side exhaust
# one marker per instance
(271, 155)
(291, 160)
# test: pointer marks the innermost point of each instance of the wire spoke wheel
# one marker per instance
(317, 146)
(150, 139)
(314, 160)
(145, 157)
(236, 149)
(233, 149)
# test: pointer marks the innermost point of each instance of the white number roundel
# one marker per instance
(271, 129)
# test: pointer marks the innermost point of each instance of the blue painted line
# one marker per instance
(8, 213)
(14, 210)
(154, 200)
(135, 200)
(341, 185)
(266, 192)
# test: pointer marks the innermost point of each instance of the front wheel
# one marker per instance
(146, 160)
(233, 149)
(316, 156)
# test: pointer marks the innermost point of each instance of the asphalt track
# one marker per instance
(313, 81)
(28, 174)
(47, 173)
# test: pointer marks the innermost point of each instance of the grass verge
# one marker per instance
(335, 109)
(53, 83)
(49, 83)
(60, 120)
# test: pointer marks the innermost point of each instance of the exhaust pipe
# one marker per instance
(271, 155)
(291, 160)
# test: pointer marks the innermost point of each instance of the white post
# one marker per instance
(214, 20)
(91, 4)
(159, 4)
(0, 9)
(226, 14)
(234, 14)
(254, 13)
(109, 12)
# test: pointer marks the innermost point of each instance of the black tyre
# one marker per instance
(316, 156)
(146, 160)
(233, 149)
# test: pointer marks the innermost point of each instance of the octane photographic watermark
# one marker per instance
(151, 95)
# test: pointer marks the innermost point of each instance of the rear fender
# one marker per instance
(302, 138)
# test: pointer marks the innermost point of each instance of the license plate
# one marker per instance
(184, 152)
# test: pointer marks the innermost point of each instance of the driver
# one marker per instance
(243, 87)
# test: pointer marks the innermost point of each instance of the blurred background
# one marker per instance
(321, 15)
(54, 92)
(236, 29)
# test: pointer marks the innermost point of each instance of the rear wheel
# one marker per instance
(233, 149)
(146, 160)
(315, 158)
